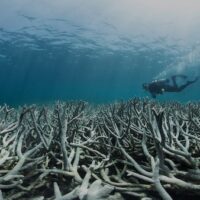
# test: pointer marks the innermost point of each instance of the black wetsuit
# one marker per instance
(160, 86)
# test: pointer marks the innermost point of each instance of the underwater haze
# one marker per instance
(96, 50)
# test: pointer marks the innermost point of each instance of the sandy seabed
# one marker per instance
(138, 149)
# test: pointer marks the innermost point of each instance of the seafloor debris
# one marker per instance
(139, 149)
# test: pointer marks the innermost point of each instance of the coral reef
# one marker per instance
(140, 149)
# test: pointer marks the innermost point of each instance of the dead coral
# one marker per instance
(72, 150)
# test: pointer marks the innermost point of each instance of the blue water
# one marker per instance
(98, 51)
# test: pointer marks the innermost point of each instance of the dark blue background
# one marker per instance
(83, 63)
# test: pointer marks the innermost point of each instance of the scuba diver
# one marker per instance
(163, 85)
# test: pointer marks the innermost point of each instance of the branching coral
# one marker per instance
(72, 150)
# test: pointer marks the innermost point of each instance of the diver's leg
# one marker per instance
(180, 88)
(196, 79)
(175, 77)
(174, 81)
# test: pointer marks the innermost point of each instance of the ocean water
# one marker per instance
(97, 51)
